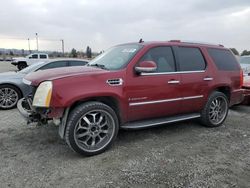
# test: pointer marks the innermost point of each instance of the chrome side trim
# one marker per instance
(163, 73)
(160, 122)
(238, 90)
(173, 82)
(192, 97)
(208, 79)
(165, 100)
(153, 102)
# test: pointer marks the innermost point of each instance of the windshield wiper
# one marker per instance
(98, 65)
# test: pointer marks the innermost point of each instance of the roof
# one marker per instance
(67, 59)
(178, 42)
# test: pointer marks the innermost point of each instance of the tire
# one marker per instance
(215, 113)
(9, 96)
(21, 65)
(91, 128)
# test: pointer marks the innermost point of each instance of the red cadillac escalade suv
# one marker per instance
(132, 86)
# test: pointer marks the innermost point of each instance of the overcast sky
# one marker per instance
(104, 23)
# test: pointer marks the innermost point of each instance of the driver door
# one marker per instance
(157, 94)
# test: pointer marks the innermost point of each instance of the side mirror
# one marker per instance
(146, 67)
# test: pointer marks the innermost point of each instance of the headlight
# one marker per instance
(43, 94)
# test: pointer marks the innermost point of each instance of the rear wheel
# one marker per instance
(21, 65)
(215, 110)
(91, 129)
(9, 96)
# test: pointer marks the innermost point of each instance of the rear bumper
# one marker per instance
(237, 96)
(246, 94)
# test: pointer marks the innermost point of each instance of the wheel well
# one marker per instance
(22, 62)
(14, 87)
(226, 90)
(110, 101)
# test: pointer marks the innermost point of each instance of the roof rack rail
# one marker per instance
(197, 42)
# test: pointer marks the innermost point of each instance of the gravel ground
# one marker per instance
(184, 154)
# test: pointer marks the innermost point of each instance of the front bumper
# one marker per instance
(36, 114)
(25, 108)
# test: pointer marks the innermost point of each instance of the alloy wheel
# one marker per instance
(94, 130)
(218, 110)
(8, 98)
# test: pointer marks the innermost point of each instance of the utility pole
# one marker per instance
(37, 42)
(62, 46)
(29, 44)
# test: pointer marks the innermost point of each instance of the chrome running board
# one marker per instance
(159, 121)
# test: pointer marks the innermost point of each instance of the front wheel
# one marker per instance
(92, 128)
(21, 65)
(215, 110)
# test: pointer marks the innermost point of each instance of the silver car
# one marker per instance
(245, 64)
(12, 87)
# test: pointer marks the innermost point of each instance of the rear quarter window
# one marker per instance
(223, 59)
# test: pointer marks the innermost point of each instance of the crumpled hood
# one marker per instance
(51, 74)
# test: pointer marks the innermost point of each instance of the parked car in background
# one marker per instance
(22, 62)
(133, 86)
(246, 87)
(245, 64)
(12, 87)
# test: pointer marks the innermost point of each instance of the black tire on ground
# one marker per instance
(13, 92)
(21, 65)
(91, 128)
(216, 106)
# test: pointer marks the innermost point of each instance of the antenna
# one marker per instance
(141, 41)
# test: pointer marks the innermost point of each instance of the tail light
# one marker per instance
(241, 78)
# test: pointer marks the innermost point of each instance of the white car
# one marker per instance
(245, 64)
(22, 62)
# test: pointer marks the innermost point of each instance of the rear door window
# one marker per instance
(191, 59)
(42, 56)
(223, 59)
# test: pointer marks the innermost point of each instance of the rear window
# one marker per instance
(223, 59)
(191, 59)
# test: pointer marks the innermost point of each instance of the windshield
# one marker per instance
(245, 60)
(31, 68)
(117, 57)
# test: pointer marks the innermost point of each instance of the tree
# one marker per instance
(234, 51)
(89, 52)
(73, 53)
(245, 52)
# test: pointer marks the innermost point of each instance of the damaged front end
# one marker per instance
(32, 114)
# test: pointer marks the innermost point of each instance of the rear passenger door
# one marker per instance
(195, 78)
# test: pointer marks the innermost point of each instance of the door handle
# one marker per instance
(208, 79)
(173, 82)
